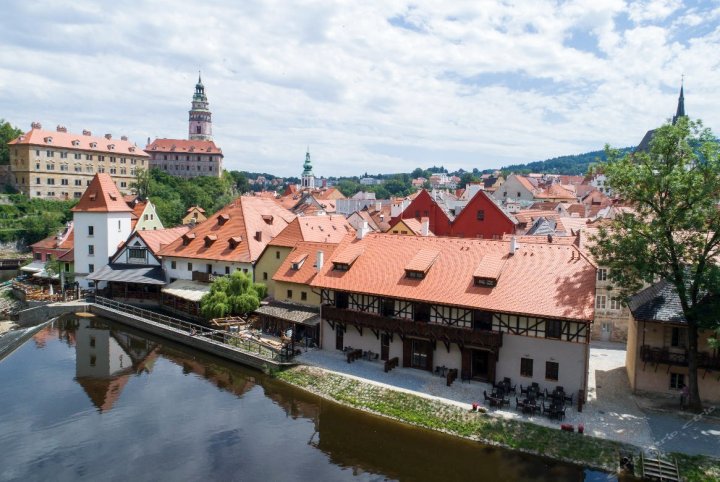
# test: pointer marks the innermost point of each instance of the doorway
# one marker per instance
(480, 365)
(385, 347)
(339, 333)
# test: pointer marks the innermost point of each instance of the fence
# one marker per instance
(245, 344)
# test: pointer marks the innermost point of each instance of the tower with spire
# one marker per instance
(308, 178)
(200, 124)
(681, 104)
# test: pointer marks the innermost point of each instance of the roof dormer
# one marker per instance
(187, 238)
(111, 147)
(489, 270)
(93, 145)
(48, 140)
(421, 263)
(234, 242)
(223, 218)
(75, 142)
(298, 262)
(210, 239)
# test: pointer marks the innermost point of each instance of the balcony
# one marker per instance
(432, 331)
(663, 355)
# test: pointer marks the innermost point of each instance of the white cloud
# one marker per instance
(462, 84)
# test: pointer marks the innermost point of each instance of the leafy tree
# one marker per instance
(674, 233)
(467, 178)
(7, 134)
(141, 185)
(232, 295)
(348, 187)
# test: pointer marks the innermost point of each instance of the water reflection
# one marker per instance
(155, 419)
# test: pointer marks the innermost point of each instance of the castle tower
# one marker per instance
(200, 128)
(308, 178)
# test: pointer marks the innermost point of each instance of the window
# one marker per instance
(289, 294)
(77, 155)
(277, 254)
(480, 215)
(422, 312)
(677, 381)
(91, 268)
(421, 350)
(553, 329)
(91, 250)
(600, 302)
(518, 194)
(92, 341)
(227, 269)
(526, 367)
(303, 295)
(551, 370)
(119, 226)
(37, 180)
(189, 266)
(38, 256)
(145, 217)
(265, 276)
(88, 157)
(136, 253)
(123, 184)
(78, 182)
(64, 182)
(173, 265)
(414, 274)
(93, 359)
(615, 304)
(678, 336)
(602, 274)
(91, 230)
(51, 181)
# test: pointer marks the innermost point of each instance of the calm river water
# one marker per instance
(87, 399)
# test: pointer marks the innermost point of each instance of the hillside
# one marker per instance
(573, 164)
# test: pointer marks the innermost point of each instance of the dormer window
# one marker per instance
(223, 218)
(267, 218)
(131, 149)
(111, 147)
(341, 266)
(412, 274)
(112, 196)
(480, 281)
(421, 263)
(187, 237)
(93, 145)
(48, 140)
(75, 142)
(93, 196)
(298, 262)
(234, 241)
(209, 240)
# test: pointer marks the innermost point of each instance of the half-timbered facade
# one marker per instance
(490, 309)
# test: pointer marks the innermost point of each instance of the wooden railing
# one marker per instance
(432, 331)
(243, 343)
(663, 355)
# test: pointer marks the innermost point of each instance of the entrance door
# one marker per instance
(421, 355)
(480, 365)
(606, 329)
(339, 332)
(385, 347)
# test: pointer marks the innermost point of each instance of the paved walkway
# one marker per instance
(611, 411)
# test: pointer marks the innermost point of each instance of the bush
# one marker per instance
(231, 295)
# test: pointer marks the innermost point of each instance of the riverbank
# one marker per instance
(512, 434)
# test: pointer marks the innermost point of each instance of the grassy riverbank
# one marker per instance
(435, 415)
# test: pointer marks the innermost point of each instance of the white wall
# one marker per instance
(181, 264)
(109, 230)
(570, 356)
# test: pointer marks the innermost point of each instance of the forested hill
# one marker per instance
(575, 164)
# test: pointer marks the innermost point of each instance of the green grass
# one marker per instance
(517, 435)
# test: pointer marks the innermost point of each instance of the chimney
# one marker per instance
(61, 128)
(364, 229)
(513, 245)
(123, 138)
(425, 227)
(320, 260)
(108, 136)
(86, 133)
(36, 125)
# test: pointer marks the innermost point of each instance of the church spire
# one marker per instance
(681, 103)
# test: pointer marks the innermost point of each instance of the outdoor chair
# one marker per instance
(523, 391)
(487, 399)
(506, 380)
(569, 400)
(519, 405)
(559, 388)
(535, 386)
(561, 414)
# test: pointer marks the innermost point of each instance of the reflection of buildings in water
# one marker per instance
(105, 358)
(224, 377)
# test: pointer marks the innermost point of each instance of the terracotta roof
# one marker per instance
(307, 251)
(184, 146)
(318, 229)
(102, 196)
(490, 266)
(556, 191)
(414, 225)
(245, 219)
(69, 140)
(195, 208)
(63, 241)
(540, 279)
(526, 183)
(68, 257)
(156, 239)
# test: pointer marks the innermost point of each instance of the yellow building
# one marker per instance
(329, 229)
(58, 164)
(194, 215)
(412, 227)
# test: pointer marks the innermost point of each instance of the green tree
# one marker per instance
(232, 295)
(7, 134)
(674, 233)
(141, 185)
(467, 178)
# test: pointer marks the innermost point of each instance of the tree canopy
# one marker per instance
(673, 230)
(7, 134)
(232, 295)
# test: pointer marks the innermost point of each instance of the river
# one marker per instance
(87, 399)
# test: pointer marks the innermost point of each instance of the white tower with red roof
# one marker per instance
(102, 221)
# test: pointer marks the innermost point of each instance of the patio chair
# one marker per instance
(559, 388)
(569, 400)
(506, 381)
(523, 391)
(519, 405)
(487, 399)
(561, 414)
(535, 386)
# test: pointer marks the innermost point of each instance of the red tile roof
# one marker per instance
(423, 260)
(306, 273)
(184, 146)
(556, 191)
(68, 140)
(65, 240)
(526, 183)
(319, 229)
(68, 257)
(547, 280)
(245, 219)
(102, 196)
(156, 239)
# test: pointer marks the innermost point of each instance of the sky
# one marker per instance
(370, 86)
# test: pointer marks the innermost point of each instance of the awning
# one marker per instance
(187, 289)
(45, 274)
(304, 315)
(34, 267)
(129, 273)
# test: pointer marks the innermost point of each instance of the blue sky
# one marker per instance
(371, 86)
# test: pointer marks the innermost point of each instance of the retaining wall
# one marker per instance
(38, 314)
